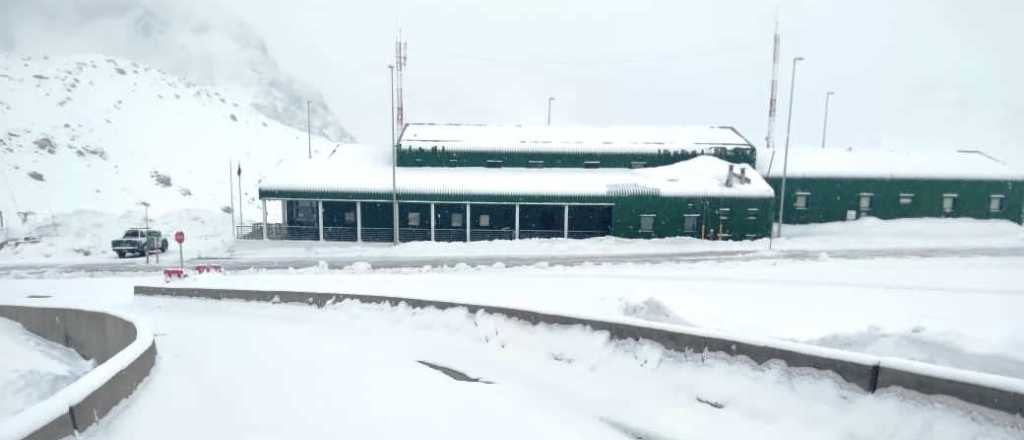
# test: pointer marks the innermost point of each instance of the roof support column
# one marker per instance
(469, 223)
(515, 234)
(433, 218)
(565, 222)
(320, 217)
(359, 222)
(264, 219)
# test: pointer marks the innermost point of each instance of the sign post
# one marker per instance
(180, 238)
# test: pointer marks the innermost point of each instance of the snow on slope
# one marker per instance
(92, 132)
(33, 368)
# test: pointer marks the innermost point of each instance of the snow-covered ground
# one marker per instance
(245, 370)
(33, 368)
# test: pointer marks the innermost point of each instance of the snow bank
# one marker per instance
(33, 368)
(99, 380)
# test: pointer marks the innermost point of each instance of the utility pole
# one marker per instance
(769, 139)
(145, 218)
(309, 131)
(400, 59)
(824, 125)
(241, 219)
(785, 157)
(231, 189)
(550, 100)
(394, 158)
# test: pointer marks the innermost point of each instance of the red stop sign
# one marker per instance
(179, 237)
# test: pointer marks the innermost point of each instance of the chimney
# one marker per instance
(728, 179)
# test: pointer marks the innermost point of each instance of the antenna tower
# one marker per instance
(400, 59)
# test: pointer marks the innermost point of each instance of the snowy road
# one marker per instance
(246, 370)
(138, 265)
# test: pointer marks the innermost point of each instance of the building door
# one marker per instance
(692, 225)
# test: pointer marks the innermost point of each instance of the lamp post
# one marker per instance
(550, 100)
(394, 157)
(309, 131)
(824, 125)
(146, 214)
(785, 156)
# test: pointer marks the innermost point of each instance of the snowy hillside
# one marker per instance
(104, 134)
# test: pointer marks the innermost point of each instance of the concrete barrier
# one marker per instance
(870, 373)
(123, 356)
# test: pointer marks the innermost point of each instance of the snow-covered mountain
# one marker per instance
(90, 134)
(193, 40)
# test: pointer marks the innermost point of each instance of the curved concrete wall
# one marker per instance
(870, 373)
(94, 335)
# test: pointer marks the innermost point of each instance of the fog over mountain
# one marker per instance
(196, 41)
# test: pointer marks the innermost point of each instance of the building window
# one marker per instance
(491, 163)
(724, 211)
(485, 220)
(995, 203)
(864, 201)
(800, 202)
(535, 164)
(906, 199)
(414, 219)
(647, 223)
(638, 164)
(453, 162)
(350, 217)
(690, 223)
(591, 164)
(948, 203)
(456, 219)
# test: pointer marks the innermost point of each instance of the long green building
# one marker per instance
(467, 183)
(828, 185)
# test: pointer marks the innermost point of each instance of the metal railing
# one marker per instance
(541, 233)
(586, 234)
(249, 232)
(282, 232)
(339, 233)
(383, 235)
(449, 235)
(491, 234)
(413, 234)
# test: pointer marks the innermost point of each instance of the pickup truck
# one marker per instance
(138, 241)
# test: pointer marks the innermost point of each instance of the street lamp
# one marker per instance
(146, 214)
(785, 156)
(824, 125)
(550, 100)
(309, 130)
(394, 157)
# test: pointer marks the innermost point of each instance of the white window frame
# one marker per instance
(952, 206)
(801, 196)
(535, 164)
(591, 164)
(1002, 202)
(870, 197)
(696, 218)
(494, 163)
(653, 220)
(637, 164)
(906, 199)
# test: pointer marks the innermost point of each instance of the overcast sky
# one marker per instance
(907, 74)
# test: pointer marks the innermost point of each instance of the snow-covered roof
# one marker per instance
(575, 139)
(887, 163)
(699, 177)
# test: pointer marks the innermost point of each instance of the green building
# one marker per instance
(827, 185)
(466, 145)
(493, 191)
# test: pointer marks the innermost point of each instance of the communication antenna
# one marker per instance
(400, 59)
(769, 140)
